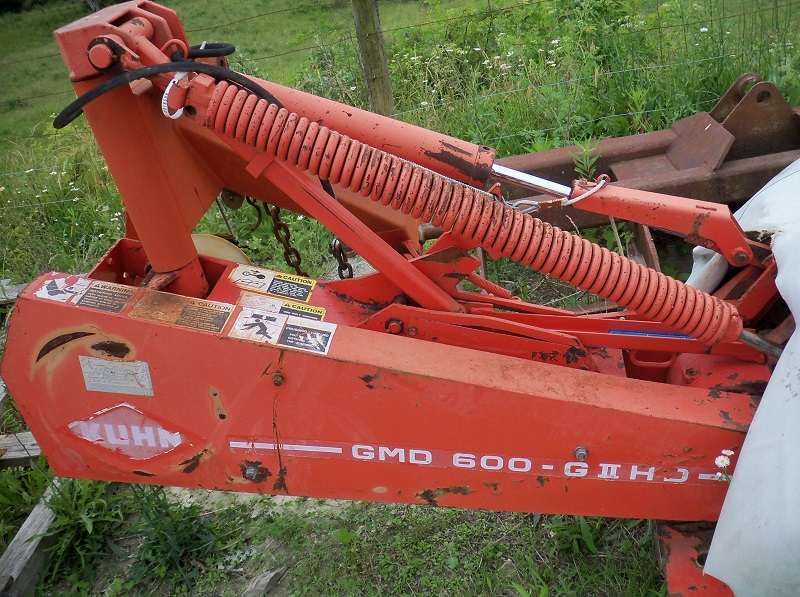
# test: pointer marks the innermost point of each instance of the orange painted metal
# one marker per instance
(165, 367)
(710, 225)
(261, 131)
(379, 417)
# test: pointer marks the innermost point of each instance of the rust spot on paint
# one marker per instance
(573, 354)
(542, 481)
(60, 341)
(546, 356)
(118, 350)
(280, 481)
(431, 495)
(369, 307)
(143, 474)
(492, 484)
(368, 379)
(754, 387)
(192, 463)
(730, 422)
(451, 255)
(254, 471)
(216, 403)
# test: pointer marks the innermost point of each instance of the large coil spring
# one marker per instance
(472, 214)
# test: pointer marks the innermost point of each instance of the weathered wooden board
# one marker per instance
(18, 449)
(25, 557)
(9, 292)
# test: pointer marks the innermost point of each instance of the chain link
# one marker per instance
(337, 250)
(282, 233)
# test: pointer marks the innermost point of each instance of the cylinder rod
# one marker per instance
(529, 181)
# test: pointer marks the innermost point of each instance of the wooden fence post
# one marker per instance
(373, 56)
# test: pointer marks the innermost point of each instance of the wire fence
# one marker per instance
(446, 24)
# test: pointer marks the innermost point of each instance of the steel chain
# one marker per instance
(337, 250)
(283, 234)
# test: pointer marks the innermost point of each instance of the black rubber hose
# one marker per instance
(211, 50)
(75, 109)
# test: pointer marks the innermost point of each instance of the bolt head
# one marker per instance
(251, 472)
(278, 378)
(581, 453)
(412, 331)
(394, 326)
(741, 257)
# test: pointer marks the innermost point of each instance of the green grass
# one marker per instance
(520, 76)
(366, 549)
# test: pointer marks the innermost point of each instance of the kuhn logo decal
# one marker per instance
(126, 430)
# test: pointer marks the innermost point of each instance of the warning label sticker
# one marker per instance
(204, 315)
(313, 336)
(62, 289)
(106, 296)
(198, 314)
(296, 288)
(116, 377)
(304, 311)
(273, 305)
(252, 278)
(258, 325)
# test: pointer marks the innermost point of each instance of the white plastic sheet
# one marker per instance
(756, 546)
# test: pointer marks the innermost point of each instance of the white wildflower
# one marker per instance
(703, 29)
(722, 461)
(728, 452)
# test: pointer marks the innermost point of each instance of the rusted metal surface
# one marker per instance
(722, 156)
(682, 549)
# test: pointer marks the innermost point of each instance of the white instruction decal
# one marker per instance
(258, 325)
(259, 301)
(62, 289)
(252, 278)
(116, 377)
